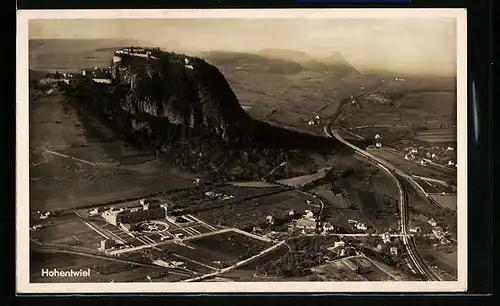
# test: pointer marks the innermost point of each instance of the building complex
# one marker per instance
(124, 217)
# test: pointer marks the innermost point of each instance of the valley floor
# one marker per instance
(75, 161)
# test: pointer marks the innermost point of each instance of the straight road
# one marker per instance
(177, 240)
(238, 264)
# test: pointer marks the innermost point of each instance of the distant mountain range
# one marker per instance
(270, 60)
(78, 45)
(282, 61)
(336, 62)
(255, 62)
(285, 54)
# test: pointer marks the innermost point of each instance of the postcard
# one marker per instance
(241, 151)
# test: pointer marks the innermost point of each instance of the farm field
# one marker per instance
(434, 187)
(246, 214)
(438, 136)
(57, 233)
(190, 265)
(448, 201)
(256, 184)
(196, 199)
(207, 254)
(325, 191)
(282, 91)
(271, 256)
(412, 101)
(443, 260)
(364, 194)
(203, 258)
(76, 161)
(418, 204)
(368, 202)
(351, 269)
(378, 220)
(238, 245)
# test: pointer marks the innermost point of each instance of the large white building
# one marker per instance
(111, 215)
(386, 237)
(139, 52)
(361, 226)
(327, 226)
(146, 211)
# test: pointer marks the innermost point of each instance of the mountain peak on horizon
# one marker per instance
(283, 53)
(335, 56)
(284, 50)
(335, 59)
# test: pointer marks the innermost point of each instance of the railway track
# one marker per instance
(408, 241)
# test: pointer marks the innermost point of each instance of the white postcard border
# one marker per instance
(23, 284)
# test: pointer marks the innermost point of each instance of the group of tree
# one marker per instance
(305, 252)
(446, 218)
(390, 203)
(204, 154)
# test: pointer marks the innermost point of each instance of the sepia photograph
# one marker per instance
(241, 151)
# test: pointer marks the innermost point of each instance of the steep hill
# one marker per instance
(176, 97)
(183, 108)
(337, 62)
(184, 91)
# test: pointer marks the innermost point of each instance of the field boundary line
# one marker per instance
(236, 265)
(99, 165)
(195, 261)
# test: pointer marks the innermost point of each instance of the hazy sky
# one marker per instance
(410, 45)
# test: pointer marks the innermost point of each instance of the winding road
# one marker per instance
(397, 175)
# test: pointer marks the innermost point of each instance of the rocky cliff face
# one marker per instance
(171, 98)
(183, 91)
